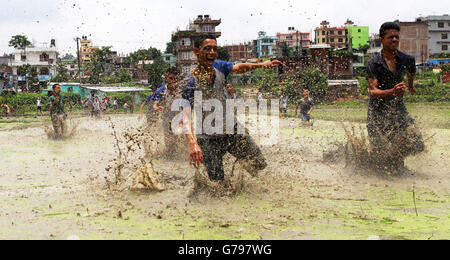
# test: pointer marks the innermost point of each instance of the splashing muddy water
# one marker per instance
(297, 196)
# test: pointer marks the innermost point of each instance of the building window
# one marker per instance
(43, 57)
(185, 55)
(444, 36)
(441, 25)
(445, 47)
(340, 40)
(207, 28)
(340, 32)
(23, 57)
(186, 42)
(323, 32)
(323, 40)
(332, 40)
(332, 33)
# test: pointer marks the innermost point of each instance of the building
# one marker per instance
(336, 37)
(86, 49)
(414, 40)
(184, 40)
(375, 44)
(438, 33)
(357, 36)
(170, 59)
(89, 91)
(43, 58)
(293, 39)
(240, 52)
(265, 46)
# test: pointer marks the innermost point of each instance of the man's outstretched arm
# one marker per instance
(246, 67)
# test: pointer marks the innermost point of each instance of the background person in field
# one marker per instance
(57, 111)
(306, 105)
(39, 106)
(392, 132)
(163, 99)
(209, 77)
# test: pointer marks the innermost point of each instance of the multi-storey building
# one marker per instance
(414, 40)
(266, 46)
(43, 58)
(240, 51)
(357, 36)
(293, 39)
(184, 40)
(438, 33)
(375, 44)
(86, 49)
(336, 37)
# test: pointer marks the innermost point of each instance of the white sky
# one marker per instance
(133, 24)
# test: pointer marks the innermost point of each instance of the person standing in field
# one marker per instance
(57, 111)
(306, 105)
(39, 106)
(392, 132)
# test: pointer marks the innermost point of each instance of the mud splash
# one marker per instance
(358, 153)
(71, 127)
(133, 168)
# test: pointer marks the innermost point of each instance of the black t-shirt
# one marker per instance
(377, 68)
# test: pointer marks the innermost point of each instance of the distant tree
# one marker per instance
(62, 73)
(19, 42)
(171, 47)
(69, 57)
(223, 54)
(97, 66)
(124, 75)
(144, 54)
(155, 72)
(315, 81)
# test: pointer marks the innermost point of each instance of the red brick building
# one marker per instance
(240, 51)
(414, 40)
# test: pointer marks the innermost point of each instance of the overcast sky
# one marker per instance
(129, 25)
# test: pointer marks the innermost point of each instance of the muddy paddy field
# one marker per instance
(57, 189)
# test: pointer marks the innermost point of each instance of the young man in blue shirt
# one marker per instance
(209, 78)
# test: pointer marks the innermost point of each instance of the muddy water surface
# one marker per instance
(56, 189)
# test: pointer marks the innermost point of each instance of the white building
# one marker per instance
(43, 58)
(438, 33)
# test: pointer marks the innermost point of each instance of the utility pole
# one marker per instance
(78, 58)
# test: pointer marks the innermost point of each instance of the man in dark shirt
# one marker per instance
(392, 132)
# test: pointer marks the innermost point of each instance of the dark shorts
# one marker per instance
(240, 146)
(305, 117)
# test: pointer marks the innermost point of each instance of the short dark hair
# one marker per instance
(198, 41)
(172, 70)
(388, 26)
(54, 86)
